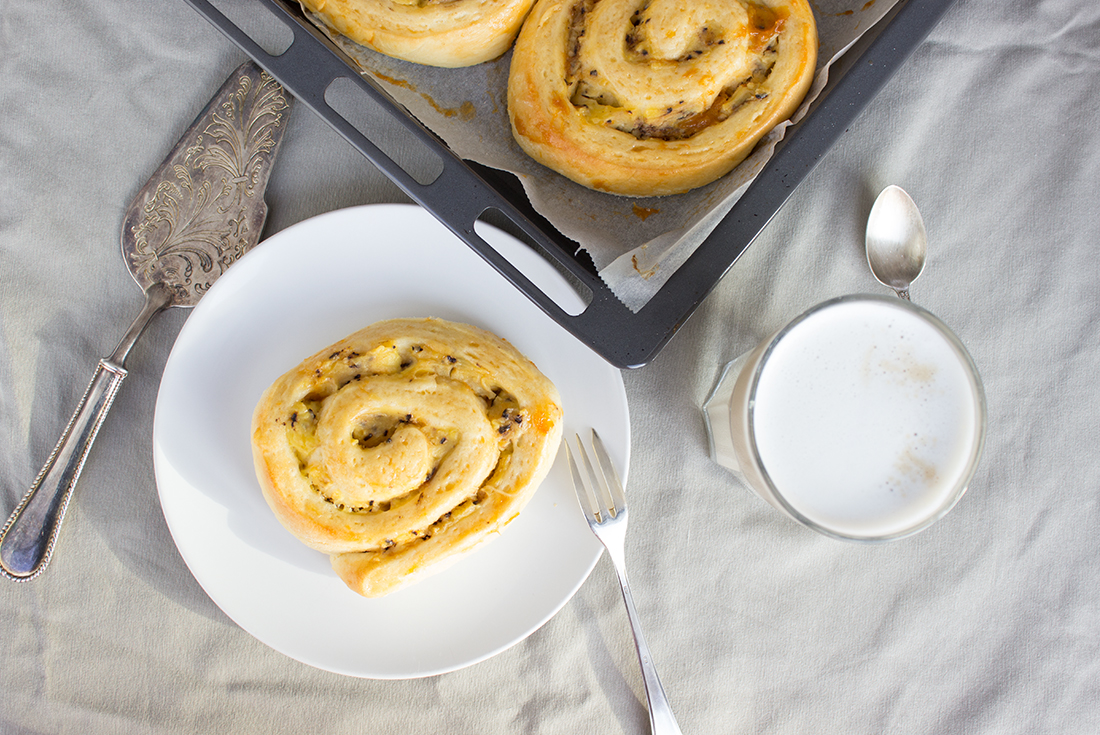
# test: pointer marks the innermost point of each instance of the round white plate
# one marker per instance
(302, 289)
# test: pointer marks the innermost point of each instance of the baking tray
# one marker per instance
(464, 191)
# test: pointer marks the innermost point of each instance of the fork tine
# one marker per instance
(580, 485)
(605, 505)
(610, 474)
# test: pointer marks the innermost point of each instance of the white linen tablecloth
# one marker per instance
(988, 622)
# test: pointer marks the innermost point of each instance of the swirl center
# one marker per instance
(389, 438)
(660, 69)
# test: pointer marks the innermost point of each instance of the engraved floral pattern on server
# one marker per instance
(194, 225)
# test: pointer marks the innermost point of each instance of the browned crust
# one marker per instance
(555, 132)
(495, 426)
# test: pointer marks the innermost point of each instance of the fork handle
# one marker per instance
(661, 719)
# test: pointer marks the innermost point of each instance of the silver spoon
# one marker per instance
(896, 240)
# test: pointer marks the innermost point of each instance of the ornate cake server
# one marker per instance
(200, 211)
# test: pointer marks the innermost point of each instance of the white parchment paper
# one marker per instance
(636, 243)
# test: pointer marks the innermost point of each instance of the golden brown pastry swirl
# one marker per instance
(655, 97)
(404, 446)
(447, 33)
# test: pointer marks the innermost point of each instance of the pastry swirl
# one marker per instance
(404, 446)
(447, 33)
(656, 97)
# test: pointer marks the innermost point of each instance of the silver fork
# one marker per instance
(604, 504)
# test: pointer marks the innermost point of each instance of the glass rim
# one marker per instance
(981, 419)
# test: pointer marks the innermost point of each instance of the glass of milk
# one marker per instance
(863, 418)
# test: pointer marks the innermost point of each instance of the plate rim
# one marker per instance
(292, 233)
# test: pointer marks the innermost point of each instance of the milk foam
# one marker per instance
(866, 418)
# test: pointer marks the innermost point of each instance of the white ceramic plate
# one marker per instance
(305, 288)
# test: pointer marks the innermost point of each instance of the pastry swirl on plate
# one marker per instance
(402, 447)
(655, 97)
(447, 33)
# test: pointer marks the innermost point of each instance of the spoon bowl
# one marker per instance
(896, 241)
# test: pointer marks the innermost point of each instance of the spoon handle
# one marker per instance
(27, 538)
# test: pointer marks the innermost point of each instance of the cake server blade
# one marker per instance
(201, 210)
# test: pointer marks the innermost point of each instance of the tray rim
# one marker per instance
(465, 191)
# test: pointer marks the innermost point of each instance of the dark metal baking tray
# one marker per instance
(464, 191)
